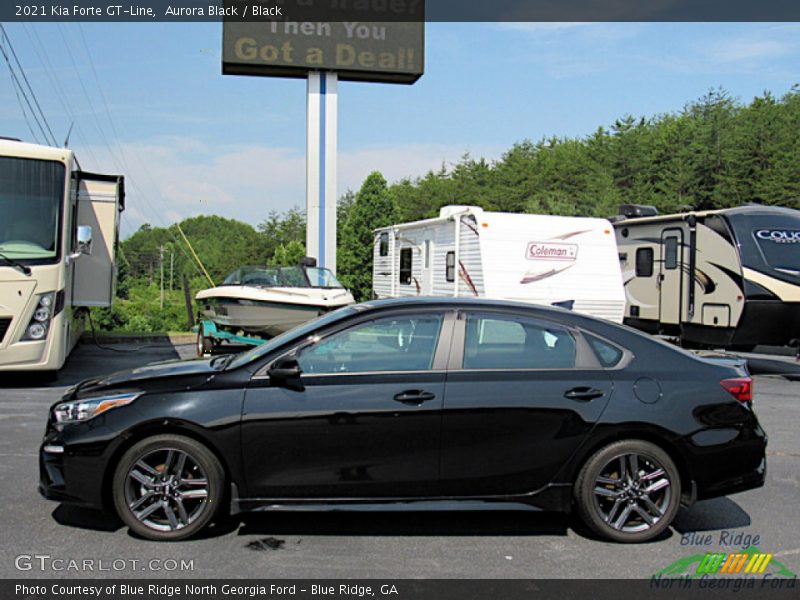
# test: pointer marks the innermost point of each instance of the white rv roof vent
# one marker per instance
(452, 209)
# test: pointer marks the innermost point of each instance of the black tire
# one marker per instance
(623, 510)
(192, 503)
(205, 345)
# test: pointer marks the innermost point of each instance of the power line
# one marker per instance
(118, 156)
(19, 89)
(97, 81)
(97, 123)
(123, 156)
(59, 93)
(25, 78)
(22, 106)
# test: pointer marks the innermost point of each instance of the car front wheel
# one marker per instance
(168, 487)
(628, 491)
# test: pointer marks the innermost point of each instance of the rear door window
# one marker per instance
(509, 342)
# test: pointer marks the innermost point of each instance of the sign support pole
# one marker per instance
(321, 167)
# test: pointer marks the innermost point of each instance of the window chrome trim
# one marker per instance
(585, 357)
(358, 373)
(440, 356)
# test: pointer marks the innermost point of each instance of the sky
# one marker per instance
(149, 101)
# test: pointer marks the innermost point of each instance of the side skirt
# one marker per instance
(553, 497)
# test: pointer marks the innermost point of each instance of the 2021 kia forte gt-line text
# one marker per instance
(450, 400)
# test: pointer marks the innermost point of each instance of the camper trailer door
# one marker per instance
(670, 278)
(426, 271)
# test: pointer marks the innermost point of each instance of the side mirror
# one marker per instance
(286, 371)
(84, 245)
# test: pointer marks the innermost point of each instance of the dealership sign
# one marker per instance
(387, 52)
(551, 251)
(324, 42)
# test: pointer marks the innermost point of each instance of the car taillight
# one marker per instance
(740, 388)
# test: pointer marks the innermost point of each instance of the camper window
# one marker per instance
(450, 267)
(671, 253)
(406, 260)
(384, 244)
(644, 262)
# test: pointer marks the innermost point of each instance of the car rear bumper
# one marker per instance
(742, 483)
(733, 467)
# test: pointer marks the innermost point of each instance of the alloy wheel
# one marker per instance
(632, 492)
(166, 489)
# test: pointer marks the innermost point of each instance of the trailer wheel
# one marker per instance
(205, 345)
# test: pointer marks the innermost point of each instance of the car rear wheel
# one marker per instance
(628, 491)
(168, 487)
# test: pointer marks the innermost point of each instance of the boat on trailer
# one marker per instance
(256, 303)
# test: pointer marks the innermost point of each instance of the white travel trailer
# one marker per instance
(58, 240)
(466, 251)
(727, 278)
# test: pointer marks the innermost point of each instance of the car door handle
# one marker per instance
(583, 393)
(415, 397)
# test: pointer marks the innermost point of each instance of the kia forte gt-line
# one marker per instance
(444, 401)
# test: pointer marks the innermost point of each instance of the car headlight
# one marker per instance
(76, 411)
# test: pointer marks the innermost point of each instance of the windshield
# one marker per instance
(296, 333)
(322, 278)
(780, 247)
(769, 240)
(31, 196)
(283, 277)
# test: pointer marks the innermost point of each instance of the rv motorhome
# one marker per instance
(541, 259)
(725, 278)
(58, 239)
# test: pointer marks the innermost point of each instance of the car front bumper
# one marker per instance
(73, 472)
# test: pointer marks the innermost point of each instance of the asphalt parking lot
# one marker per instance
(518, 544)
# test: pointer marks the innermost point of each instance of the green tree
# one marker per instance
(289, 254)
(281, 228)
(373, 207)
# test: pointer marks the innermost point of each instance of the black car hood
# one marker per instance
(159, 370)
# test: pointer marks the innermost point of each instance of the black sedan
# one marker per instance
(446, 401)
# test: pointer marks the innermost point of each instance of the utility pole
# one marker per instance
(161, 257)
(171, 267)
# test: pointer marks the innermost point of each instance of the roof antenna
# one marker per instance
(69, 133)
